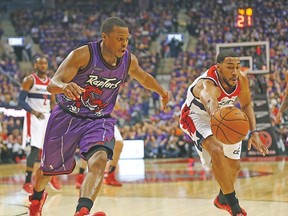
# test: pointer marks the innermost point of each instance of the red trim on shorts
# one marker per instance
(186, 122)
(59, 173)
(28, 115)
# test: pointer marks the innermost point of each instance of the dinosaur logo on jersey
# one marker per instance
(90, 98)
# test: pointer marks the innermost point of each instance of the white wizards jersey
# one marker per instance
(38, 96)
(194, 105)
(195, 121)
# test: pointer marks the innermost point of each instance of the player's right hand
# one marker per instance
(72, 90)
(165, 100)
(256, 142)
(278, 117)
(39, 115)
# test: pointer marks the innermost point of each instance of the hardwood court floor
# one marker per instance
(170, 187)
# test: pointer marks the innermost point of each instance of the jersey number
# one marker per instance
(45, 99)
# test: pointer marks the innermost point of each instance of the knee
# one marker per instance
(215, 150)
(217, 154)
(98, 160)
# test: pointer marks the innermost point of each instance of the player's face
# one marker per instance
(41, 65)
(116, 41)
(229, 71)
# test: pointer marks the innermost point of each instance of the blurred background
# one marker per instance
(175, 41)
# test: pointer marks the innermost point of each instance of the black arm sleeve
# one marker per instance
(22, 101)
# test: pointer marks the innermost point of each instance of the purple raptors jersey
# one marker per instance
(101, 82)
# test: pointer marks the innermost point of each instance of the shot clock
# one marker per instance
(244, 17)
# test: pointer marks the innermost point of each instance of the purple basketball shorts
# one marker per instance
(65, 133)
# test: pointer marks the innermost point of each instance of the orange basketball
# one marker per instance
(229, 125)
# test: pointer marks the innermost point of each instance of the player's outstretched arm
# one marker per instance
(245, 101)
(246, 106)
(147, 81)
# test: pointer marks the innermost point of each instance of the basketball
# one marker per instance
(229, 125)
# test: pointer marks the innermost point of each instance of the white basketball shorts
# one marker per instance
(34, 130)
(117, 134)
(201, 131)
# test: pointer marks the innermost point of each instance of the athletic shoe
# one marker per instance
(35, 208)
(222, 206)
(110, 179)
(242, 213)
(55, 184)
(85, 212)
(79, 180)
(28, 188)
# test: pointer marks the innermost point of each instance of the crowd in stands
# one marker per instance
(213, 22)
(59, 30)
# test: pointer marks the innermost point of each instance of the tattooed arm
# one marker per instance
(208, 93)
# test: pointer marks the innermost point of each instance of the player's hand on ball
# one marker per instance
(165, 100)
(229, 124)
(256, 142)
(72, 90)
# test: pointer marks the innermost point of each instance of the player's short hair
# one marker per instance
(226, 53)
(108, 24)
(36, 57)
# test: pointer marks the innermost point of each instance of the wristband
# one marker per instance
(22, 101)
(251, 132)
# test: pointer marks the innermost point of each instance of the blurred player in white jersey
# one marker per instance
(38, 103)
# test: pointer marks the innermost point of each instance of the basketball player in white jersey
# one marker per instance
(38, 102)
(220, 86)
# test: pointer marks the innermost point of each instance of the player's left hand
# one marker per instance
(256, 142)
(165, 100)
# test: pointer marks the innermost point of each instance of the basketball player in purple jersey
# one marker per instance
(89, 80)
(220, 86)
(109, 174)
